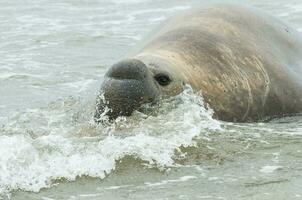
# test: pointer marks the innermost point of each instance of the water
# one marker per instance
(53, 56)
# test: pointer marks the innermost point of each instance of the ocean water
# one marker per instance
(53, 56)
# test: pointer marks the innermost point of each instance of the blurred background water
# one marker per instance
(53, 55)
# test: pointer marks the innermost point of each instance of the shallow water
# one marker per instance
(53, 56)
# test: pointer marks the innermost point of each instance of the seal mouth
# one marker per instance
(122, 97)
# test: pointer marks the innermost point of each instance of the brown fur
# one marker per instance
(246, 63)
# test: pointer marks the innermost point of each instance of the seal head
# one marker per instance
(129, 84)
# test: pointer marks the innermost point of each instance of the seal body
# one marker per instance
(246, 64)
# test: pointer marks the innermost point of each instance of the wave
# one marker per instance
(42, 145)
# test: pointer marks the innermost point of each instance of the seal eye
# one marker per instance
(162, 79)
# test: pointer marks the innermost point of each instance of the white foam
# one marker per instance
(165, 182)
(90, 195)
(117, 187)
(269, 169)
(47, 198)
(41, 145)
(7, 75)
(157, 19)
(284, 14)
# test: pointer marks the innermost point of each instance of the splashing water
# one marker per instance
(62, 141)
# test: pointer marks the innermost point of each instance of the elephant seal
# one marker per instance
(246, 64)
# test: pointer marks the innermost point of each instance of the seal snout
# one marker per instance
(128, 69)
(128, 84)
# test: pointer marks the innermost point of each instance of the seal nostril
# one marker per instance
(162, 79)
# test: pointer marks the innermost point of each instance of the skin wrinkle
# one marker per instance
(170, 57)
(230, 59)
(267, 81)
